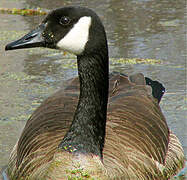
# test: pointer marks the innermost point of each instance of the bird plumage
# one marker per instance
(66, 137)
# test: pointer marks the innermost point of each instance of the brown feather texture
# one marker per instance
(138, 143)
(101, 126)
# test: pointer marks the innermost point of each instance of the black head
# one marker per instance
(73, 29)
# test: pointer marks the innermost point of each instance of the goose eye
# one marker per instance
(65, 20)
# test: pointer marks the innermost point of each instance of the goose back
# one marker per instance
(136, 132)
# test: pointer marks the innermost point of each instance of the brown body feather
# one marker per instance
(136, 132)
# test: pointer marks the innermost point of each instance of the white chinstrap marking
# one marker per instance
(76, 39)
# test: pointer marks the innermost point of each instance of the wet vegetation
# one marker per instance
(24, 12)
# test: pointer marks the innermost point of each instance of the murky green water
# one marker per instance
(136, 29)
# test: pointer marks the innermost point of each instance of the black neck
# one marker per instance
(87, 132)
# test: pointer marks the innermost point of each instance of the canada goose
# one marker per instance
(87, 135)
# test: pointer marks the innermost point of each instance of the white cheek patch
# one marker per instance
(76, 39)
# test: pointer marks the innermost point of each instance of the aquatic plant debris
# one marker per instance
(24, 12)
(135, 61)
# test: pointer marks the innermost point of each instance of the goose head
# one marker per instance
(72, 29)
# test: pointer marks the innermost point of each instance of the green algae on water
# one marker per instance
(134, 61)
(24, 12)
